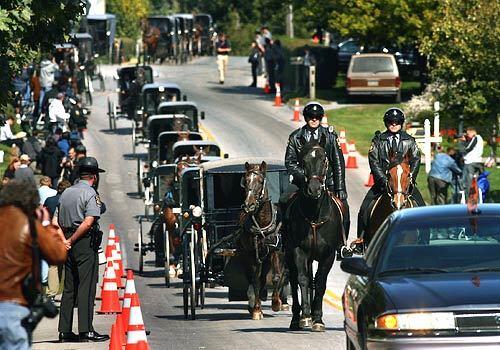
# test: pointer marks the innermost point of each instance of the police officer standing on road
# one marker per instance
(335, 180)
(393, 140)
(79, 209)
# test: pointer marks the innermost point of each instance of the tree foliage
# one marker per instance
(464, 51)
(128, 15)
(27, 26)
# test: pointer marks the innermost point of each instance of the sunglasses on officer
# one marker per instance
(314, 117)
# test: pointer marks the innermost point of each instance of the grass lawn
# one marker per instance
(360, 123)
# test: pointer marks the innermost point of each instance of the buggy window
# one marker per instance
(227, 191)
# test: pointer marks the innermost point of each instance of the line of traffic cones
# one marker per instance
(128, 330)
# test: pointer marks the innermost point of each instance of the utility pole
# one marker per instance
(289, 21)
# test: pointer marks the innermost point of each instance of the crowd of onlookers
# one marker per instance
(456, 168)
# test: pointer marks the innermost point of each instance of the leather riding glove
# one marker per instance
(341, 194)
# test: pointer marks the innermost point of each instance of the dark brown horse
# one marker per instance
(150, 37)
(396, 197)
(313, 231)
(258, 239)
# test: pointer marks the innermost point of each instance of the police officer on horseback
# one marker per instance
(393, 141)
(335, 180)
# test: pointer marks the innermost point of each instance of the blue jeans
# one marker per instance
(44, 272)
(13, 335)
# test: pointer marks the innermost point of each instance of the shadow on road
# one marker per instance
(118, 131)
(134, 156)
(243, 90)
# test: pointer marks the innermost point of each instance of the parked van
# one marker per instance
(372, 74)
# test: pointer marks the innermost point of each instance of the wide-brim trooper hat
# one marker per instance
(313, 109)
(89, 165)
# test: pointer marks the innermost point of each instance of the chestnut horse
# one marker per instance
(397, 195)
(258, 239)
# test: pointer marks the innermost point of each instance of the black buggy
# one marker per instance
(210, 198)
(128, 99)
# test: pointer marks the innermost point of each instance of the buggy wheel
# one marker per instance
(133, 137)
(139, 177)
(167, 256)
(110, 110)
(185, 275)
(192, 271)
(141, 256)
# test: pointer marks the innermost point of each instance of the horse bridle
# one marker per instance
(260, 196)
(391, 193)
(320, 178)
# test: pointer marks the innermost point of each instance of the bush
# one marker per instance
(128, 45)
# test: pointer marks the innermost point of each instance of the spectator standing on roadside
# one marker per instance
(32, 148)
(223, 47)
(45, 191)
(63, 143)
(24, 172)
(254, 59)
(473, 157)
(279, 58)
(36, 87)
(442, 169)
(14, 164)
(48, 68)
(57, 113)
(19, 214)
(270, 65)
(49, 161)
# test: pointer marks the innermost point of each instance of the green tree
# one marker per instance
(30, 26)
(464, 52)
(128, 15)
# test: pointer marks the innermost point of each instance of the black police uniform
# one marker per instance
(335, 177)
(378, 158)
(77, 202)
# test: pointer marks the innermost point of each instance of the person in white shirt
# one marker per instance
(473, 157)
(7, 137)
(45, 191)
(57, 114)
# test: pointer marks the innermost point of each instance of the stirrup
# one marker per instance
(344, 252)
(357, 246)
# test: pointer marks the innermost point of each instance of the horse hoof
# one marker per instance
(306, 322)
(257, 315)
(318, 327)
(276, 305)
(285, 307)
(295, 326)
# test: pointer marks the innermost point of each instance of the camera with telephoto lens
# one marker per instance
(42, 307)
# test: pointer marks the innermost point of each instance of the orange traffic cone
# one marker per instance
(110, 246)
(352, 162)
(110, 302)
(142, 345)
(121, 329)
(277, 98)
(117, 260)
(115, 342)
(296, 111)
(324, 121)
(267, 89)
(371, 181)
(135, 330)
(343, 142)
(127, 298)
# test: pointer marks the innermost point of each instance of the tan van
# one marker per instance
(372, 74)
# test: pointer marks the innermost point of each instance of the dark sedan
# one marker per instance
(429, 280)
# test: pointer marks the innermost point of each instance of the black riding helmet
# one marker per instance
(394, 115)
(89, 165)
(313, 109)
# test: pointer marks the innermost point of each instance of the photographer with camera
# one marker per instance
(25, 237)
(79, 210)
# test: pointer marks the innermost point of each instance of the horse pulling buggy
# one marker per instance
(214, 250)
(129, 92)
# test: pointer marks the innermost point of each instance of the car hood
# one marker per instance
(441, 290)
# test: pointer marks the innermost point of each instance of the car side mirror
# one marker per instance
(226, 155)
(355, 266)
(202, 115)
(184, 98)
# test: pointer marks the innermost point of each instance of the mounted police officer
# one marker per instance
(79, 209)
(400, 143)
(335, 181)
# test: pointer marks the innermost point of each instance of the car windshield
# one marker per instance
(442, 246)
(372, 64)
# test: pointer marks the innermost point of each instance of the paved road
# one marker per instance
(245, 123)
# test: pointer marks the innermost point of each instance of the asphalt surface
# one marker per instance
(246, 124)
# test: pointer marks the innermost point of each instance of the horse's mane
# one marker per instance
(308, 147)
